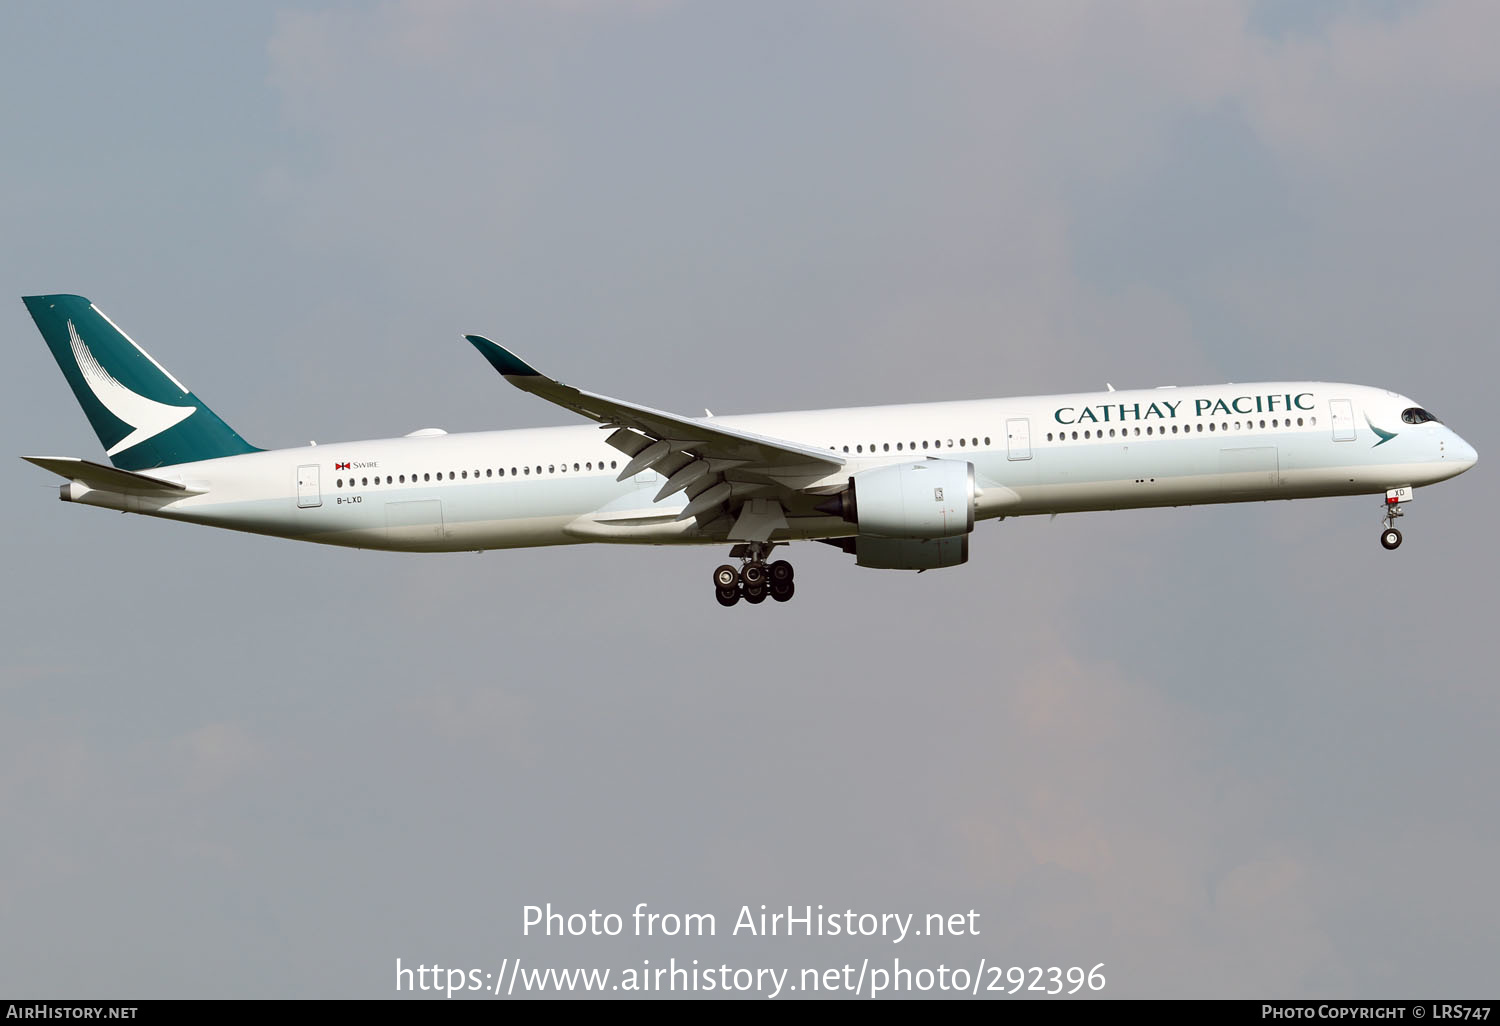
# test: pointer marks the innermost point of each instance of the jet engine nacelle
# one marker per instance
(908, 553)
(924, 499)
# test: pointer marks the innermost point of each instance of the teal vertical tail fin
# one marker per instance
(142, 414)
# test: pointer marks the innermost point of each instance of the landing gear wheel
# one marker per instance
(755, 593)
(754, 572)
(782, 591)
(727, 596)
(781, 570)
(726, 577)
(1390, 538)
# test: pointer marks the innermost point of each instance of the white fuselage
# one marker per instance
(1037, 454)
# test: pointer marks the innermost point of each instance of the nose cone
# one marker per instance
(1463, 454)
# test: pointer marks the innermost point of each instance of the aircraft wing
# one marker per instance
(110, 479)
(718, 467)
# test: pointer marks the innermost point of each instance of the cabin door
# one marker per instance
(308, 492)
(1018, 438)
(1342, 411)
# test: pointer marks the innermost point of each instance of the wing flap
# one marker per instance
(721, 469)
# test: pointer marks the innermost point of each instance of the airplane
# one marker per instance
(897, 487)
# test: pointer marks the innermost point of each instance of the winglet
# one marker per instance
(502, 359)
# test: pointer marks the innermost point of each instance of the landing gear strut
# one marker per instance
(755, 579)
(1390, 537)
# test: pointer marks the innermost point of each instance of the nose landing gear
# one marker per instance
(755, 579)
(1394, 499)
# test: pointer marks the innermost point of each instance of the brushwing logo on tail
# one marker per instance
(147, 417)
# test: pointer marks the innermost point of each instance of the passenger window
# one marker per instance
(924, 443)
(1085, 436)
(886, 447)
(1075, 436)
(859, 448)
(986, 439)
(341, 482)
(1049, 436)
(898, 446)
(575, 468)
(528, 471)
(1148, 430)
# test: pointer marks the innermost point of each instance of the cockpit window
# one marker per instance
(1417, 415)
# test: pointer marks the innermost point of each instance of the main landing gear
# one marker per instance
(1394, 499)
(755, 579)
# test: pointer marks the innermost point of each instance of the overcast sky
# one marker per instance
(1225, 751)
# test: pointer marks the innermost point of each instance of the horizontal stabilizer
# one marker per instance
(110, 479)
